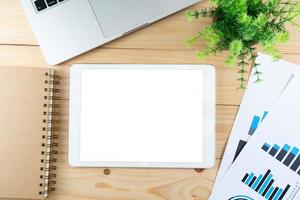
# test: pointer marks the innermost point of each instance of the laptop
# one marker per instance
(67, 28)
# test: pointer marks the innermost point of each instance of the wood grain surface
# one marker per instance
(161, 42)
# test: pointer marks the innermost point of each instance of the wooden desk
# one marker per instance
(158, 43)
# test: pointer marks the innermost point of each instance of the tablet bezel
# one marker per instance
(208, 115)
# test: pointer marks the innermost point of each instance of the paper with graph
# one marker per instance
(259, 98)
(269, 165)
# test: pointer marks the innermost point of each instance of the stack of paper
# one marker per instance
(262, 158)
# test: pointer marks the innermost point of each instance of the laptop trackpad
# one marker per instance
(117, 16)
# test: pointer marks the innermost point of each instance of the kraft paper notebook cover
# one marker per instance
(26, 132)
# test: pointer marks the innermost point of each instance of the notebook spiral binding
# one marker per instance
(49, 136)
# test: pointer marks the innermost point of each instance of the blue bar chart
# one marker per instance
(263, 184)
(254, 125)
(255, 122)
(287, 155)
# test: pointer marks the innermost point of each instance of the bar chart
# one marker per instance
(288, 155)
(255, 122)
(263, 185)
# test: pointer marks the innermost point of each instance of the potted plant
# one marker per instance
(241, 26)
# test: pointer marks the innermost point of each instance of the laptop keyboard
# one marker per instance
(44, 4)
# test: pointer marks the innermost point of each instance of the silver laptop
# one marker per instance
(67, 28)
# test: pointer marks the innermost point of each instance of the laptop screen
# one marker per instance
(141, 115)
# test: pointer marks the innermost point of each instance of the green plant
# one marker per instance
(241, 26)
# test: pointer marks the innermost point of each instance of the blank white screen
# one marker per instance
(141, 116)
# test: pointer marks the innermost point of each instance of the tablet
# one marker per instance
(137, 115)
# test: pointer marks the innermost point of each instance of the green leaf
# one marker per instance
(282, 37)
(242, 71)
(261, 21)
(273, 52)
(191, 15)
(211, 36)
(257, 73)
(258, 80)
(201, 55)
(230, 61)
(242, 25)
(242, 79)
(242, 87)
(297, 9)
(188, 42)
(191, 41)
(245, 19)
(236, 47)
(269, 47)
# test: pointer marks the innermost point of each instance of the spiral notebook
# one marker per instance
(27, 146)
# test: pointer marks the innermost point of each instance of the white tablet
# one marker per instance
(154, 116)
